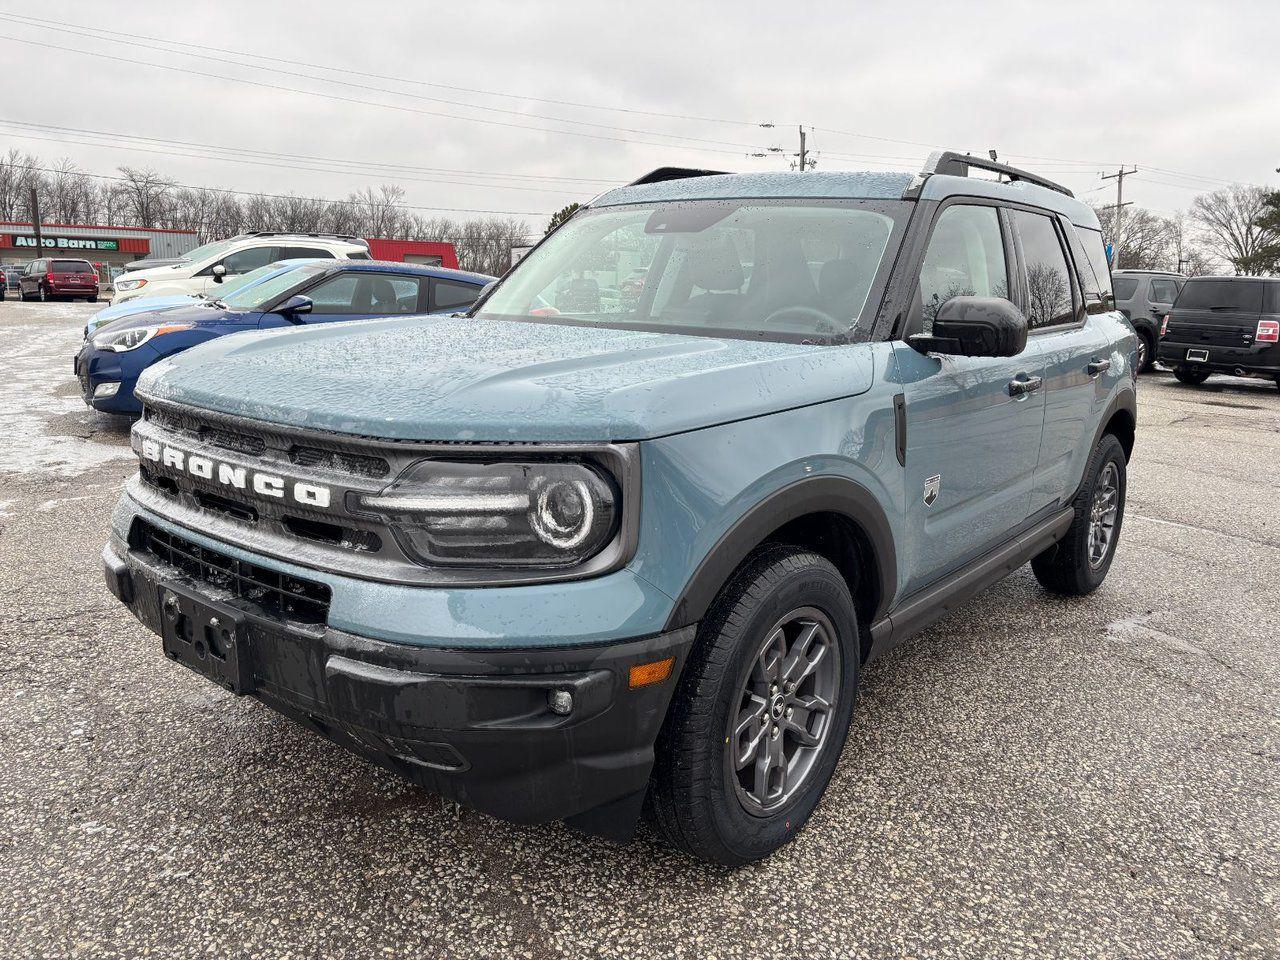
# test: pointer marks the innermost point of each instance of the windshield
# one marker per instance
(258, 294)
(209, 248)
(765, 269)
(233, 285)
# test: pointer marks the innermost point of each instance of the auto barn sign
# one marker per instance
(53, 243)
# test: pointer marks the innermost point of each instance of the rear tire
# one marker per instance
(1192, 378)
(781, 639)
(1079, 562)
(1146, 354)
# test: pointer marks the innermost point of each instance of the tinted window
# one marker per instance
(292, 253)
(451, 293)
(1126, 287)
(1244, 296)
(1101, 267)
(965, 258)
(242, 261)
(1048, 277)
(72, 266)
(1162, 291)
(359, 256)
(368, 294)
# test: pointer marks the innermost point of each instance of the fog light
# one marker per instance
(108, 389)
(561, 702)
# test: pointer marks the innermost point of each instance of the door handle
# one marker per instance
(1022, 385)
(1097, 366)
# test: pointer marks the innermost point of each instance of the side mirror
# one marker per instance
(219, 271)
(975, 327)
(294, 307)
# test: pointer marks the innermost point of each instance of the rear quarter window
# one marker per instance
(1096, 251)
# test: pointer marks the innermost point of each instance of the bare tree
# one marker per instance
(1229, 227)
(145, 195)
(1145, 241)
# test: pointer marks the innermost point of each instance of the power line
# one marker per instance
(284, 166)
(359, 164)
(42, 21)
(345, 83)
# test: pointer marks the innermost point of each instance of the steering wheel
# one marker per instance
(827, 323)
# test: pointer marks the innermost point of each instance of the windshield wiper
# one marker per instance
(216, 303)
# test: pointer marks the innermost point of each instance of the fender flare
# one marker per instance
(1126, 399)
(824, 494)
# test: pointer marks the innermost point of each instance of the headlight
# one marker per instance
(130, 284)
(134, 337)
(534, 514)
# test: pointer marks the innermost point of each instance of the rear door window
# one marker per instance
(1162, 291)
(1126, 287)
(294, 253)
(1048, 276)
(1222, 296)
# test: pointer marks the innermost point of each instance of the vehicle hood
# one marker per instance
(174, 271)
(491, 380)
(140, 305)
(198, 314)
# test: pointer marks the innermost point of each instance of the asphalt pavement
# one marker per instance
(1033, 777)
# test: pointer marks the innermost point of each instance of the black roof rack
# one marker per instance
(299, 233)
(952, 164)
(663, 174)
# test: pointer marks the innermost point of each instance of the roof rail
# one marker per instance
(952, 164)
(663, 174)
(299, 233)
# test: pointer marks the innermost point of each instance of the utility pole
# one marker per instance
(803, 153)
(1118, 177)
(35, 222)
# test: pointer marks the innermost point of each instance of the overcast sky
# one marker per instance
(1181, 90)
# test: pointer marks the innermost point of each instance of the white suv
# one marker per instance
(209, 265)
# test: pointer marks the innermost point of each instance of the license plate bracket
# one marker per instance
(1197, 356)
(208, 637)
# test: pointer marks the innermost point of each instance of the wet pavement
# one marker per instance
(1033, 777)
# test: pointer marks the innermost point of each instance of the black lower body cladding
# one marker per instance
(529, 735)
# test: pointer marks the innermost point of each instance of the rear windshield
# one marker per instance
(71, 266)
(1238, 296)
(1126, 287)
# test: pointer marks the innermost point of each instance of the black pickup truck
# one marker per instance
(1224, 325)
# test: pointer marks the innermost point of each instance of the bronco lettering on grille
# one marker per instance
(239, 478)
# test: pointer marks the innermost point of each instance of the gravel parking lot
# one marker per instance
(1032, 777)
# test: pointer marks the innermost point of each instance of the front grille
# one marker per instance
(361, 464)
(280, 596)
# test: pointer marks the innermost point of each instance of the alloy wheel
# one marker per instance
(1102, 514)
(784, 710)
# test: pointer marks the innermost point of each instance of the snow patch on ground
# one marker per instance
(38, 355)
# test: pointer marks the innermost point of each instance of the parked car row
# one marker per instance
(123, 341)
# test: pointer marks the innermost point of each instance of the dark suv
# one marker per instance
(1224, 325)
(1145, 297)
(49, 277)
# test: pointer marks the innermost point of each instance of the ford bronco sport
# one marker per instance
(576, 552)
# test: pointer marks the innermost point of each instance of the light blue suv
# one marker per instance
(601, 544)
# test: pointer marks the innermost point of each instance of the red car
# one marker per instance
(48, 278)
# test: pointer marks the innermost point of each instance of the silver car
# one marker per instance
(1146, 297)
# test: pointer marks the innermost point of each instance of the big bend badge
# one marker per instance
(931, 488)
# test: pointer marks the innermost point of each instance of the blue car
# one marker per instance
(157, 304)
(315, 291)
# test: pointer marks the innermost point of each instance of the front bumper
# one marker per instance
(93, 367)
(476, 726)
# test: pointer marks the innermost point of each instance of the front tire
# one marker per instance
(762, 710)
(1192, 378)
(1079, 562)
